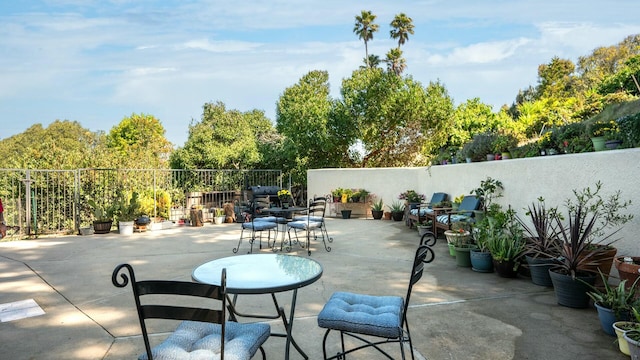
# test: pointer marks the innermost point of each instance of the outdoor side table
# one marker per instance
(263, 274)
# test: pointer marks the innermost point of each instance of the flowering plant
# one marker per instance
(284, 194)
(411, 196)
(458, 199)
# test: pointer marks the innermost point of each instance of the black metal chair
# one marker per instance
(311, 222)
(204, 332)
(259, 222)
(373, 320)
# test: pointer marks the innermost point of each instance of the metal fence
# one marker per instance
(56, 201)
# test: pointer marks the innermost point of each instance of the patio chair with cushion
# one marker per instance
(419, 214)
(443, 220)
(373, 320)
(311, 222)
(257, 221)
(203, 332)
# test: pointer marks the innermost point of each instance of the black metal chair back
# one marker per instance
(173, 312)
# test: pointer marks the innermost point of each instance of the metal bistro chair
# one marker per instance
(260, 221)
(310, 223)
(204, 332)
(381, 317)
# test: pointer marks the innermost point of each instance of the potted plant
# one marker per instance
(424, 227)
(613, 303)
(219, 216)
(632, 335)
(610, 217)
(284, 195)
(397, 210)
(489, 190)
(127, 210)
(412, 197)
(336, 194)
(599, 131)
(102, 216)
(570, 277)
(506, 243)
(628, 268)
(377, 209)
(456, 202)
(542, 242)
(460, 237)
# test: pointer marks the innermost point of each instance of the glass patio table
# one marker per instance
(263, 274)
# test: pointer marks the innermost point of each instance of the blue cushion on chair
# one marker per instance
(266, 218)
(363, 314)
(423, 211)
(259, 225)
(444, 219)
(304, 225)
(199, 340)
(312, 218)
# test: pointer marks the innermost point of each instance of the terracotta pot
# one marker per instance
(603, 261)
(629, 271)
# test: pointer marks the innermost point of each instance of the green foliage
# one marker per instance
(489, 190)
(608, 211)
(102, 212)
(160, 206)
(302, 117)
(629, 127)
(139, 141)
(396, 120)
(223, 139)
(127, 207)
(377, 205)
(61, 145)
(480, 146)
(618, 298)
(396, 206)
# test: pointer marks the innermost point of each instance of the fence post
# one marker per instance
(27, 193)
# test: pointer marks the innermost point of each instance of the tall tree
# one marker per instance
(223, 139)
(302, 116)
(395, 62)
(61, 145)
(364, 28)
(139, 140)
(394, 119)
(402, 26)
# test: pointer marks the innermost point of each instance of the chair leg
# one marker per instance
(235, 250)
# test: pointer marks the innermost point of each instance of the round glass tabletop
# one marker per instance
(260, 273)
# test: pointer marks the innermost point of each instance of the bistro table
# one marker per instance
(283, 216)
(263, 274)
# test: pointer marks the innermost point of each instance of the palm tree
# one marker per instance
(395, 62)
(373, 61)
(402, 26)
(364, 28)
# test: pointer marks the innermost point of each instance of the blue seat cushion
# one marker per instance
(201, 340)
(363, 314)
(444, 219)
(423, 211)
(266, 218)
(311, 218)
(304, 225)
(259, 225)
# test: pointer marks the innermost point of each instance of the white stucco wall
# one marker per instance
(524, 180)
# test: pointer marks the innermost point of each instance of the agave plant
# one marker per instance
(542, 237)
(619, 299)
(576, 250)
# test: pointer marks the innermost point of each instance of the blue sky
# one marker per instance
(98, 61)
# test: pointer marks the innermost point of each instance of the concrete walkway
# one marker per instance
(455, 313)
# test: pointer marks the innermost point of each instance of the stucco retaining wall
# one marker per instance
(524, 180)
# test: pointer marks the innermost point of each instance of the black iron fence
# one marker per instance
(56, 201)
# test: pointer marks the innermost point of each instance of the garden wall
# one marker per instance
(524, 180)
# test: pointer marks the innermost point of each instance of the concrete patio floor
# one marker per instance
(455, 313)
